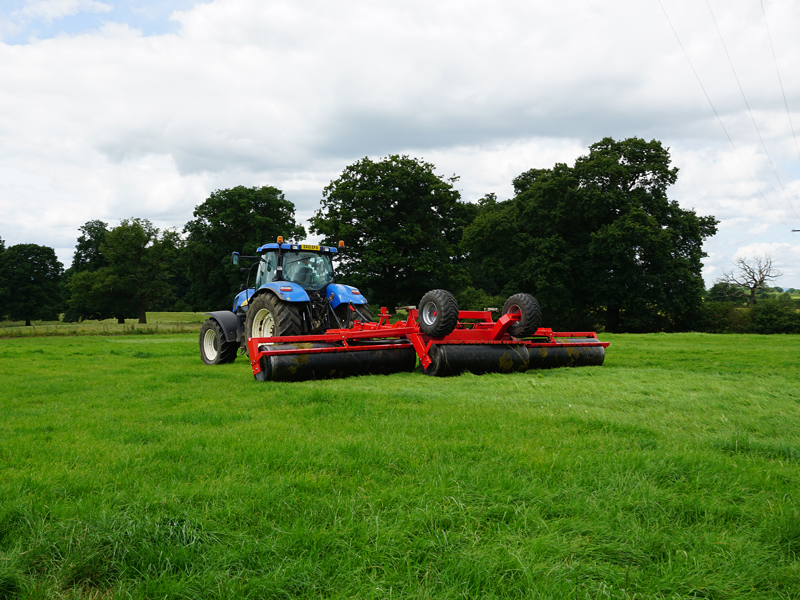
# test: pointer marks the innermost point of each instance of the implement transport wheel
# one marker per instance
(270, 317)
(214, 349)
(530, 314)
(438, 313)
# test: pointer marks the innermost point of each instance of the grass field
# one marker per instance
(129, 469)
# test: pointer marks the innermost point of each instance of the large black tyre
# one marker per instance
(345, 316)
(214, 349)
(530, 315)
(438, 313)
(268, 316)
(348, 313)
(363, 313)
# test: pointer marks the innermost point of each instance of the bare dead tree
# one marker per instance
(752, 274)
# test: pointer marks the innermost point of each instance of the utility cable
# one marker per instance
(750, 112)
(780, 80)
(728, 135)
(781, 236)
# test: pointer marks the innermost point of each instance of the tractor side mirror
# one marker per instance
(235, 258)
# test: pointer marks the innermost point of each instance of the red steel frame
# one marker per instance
(480, 329)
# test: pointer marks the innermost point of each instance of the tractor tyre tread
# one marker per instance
(288, 318)
(345, 316)
(446, 318)
(530, 315)
(225, 351)
(285, 315)
(365, 312)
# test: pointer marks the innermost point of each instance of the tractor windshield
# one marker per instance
(266, 268)
(310, 270)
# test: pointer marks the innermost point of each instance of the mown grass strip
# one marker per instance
(163, 323)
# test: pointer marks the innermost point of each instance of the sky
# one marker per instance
(111, 109)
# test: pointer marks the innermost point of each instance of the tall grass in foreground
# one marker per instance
(129, 469)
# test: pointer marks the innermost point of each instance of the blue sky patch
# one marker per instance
(23, 21)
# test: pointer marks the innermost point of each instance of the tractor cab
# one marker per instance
(310, 270)
(295, 292)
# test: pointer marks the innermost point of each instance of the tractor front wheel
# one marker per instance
(530, 315)
(214, 349)
(363, 313)
(348, 313)
(344, 314)
(267, 316)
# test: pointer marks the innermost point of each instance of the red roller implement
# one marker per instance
(477, 344)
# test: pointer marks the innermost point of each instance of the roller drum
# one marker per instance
(334, 365)
(567, 356)
(448, 359)
(451, 359)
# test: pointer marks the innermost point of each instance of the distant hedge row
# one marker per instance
(774, 315)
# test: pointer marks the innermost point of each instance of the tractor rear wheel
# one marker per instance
(530, 315)
(214, 349)
(267, 316)
(438, 313)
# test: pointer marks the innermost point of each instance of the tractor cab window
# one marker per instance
(310, 270)
(266, 268)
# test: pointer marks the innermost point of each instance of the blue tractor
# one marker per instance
(295, 293)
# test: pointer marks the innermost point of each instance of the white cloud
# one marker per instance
(113, 123)
(759, 229)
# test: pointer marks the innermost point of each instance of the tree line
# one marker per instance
(599, 243)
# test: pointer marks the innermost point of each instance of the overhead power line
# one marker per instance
(713, 108)
(780, 80)
(750, 112)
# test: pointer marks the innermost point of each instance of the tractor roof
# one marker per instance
(307, 247)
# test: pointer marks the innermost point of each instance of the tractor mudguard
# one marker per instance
(343, 294)
(285, 290)
(242, 298)
(228, 321)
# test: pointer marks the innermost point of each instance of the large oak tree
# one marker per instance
(402, 224)
(139, 267)
(239, 219)
(599, 243)
(88, 294)
(29, 283)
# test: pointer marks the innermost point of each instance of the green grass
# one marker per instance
(129, 469)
